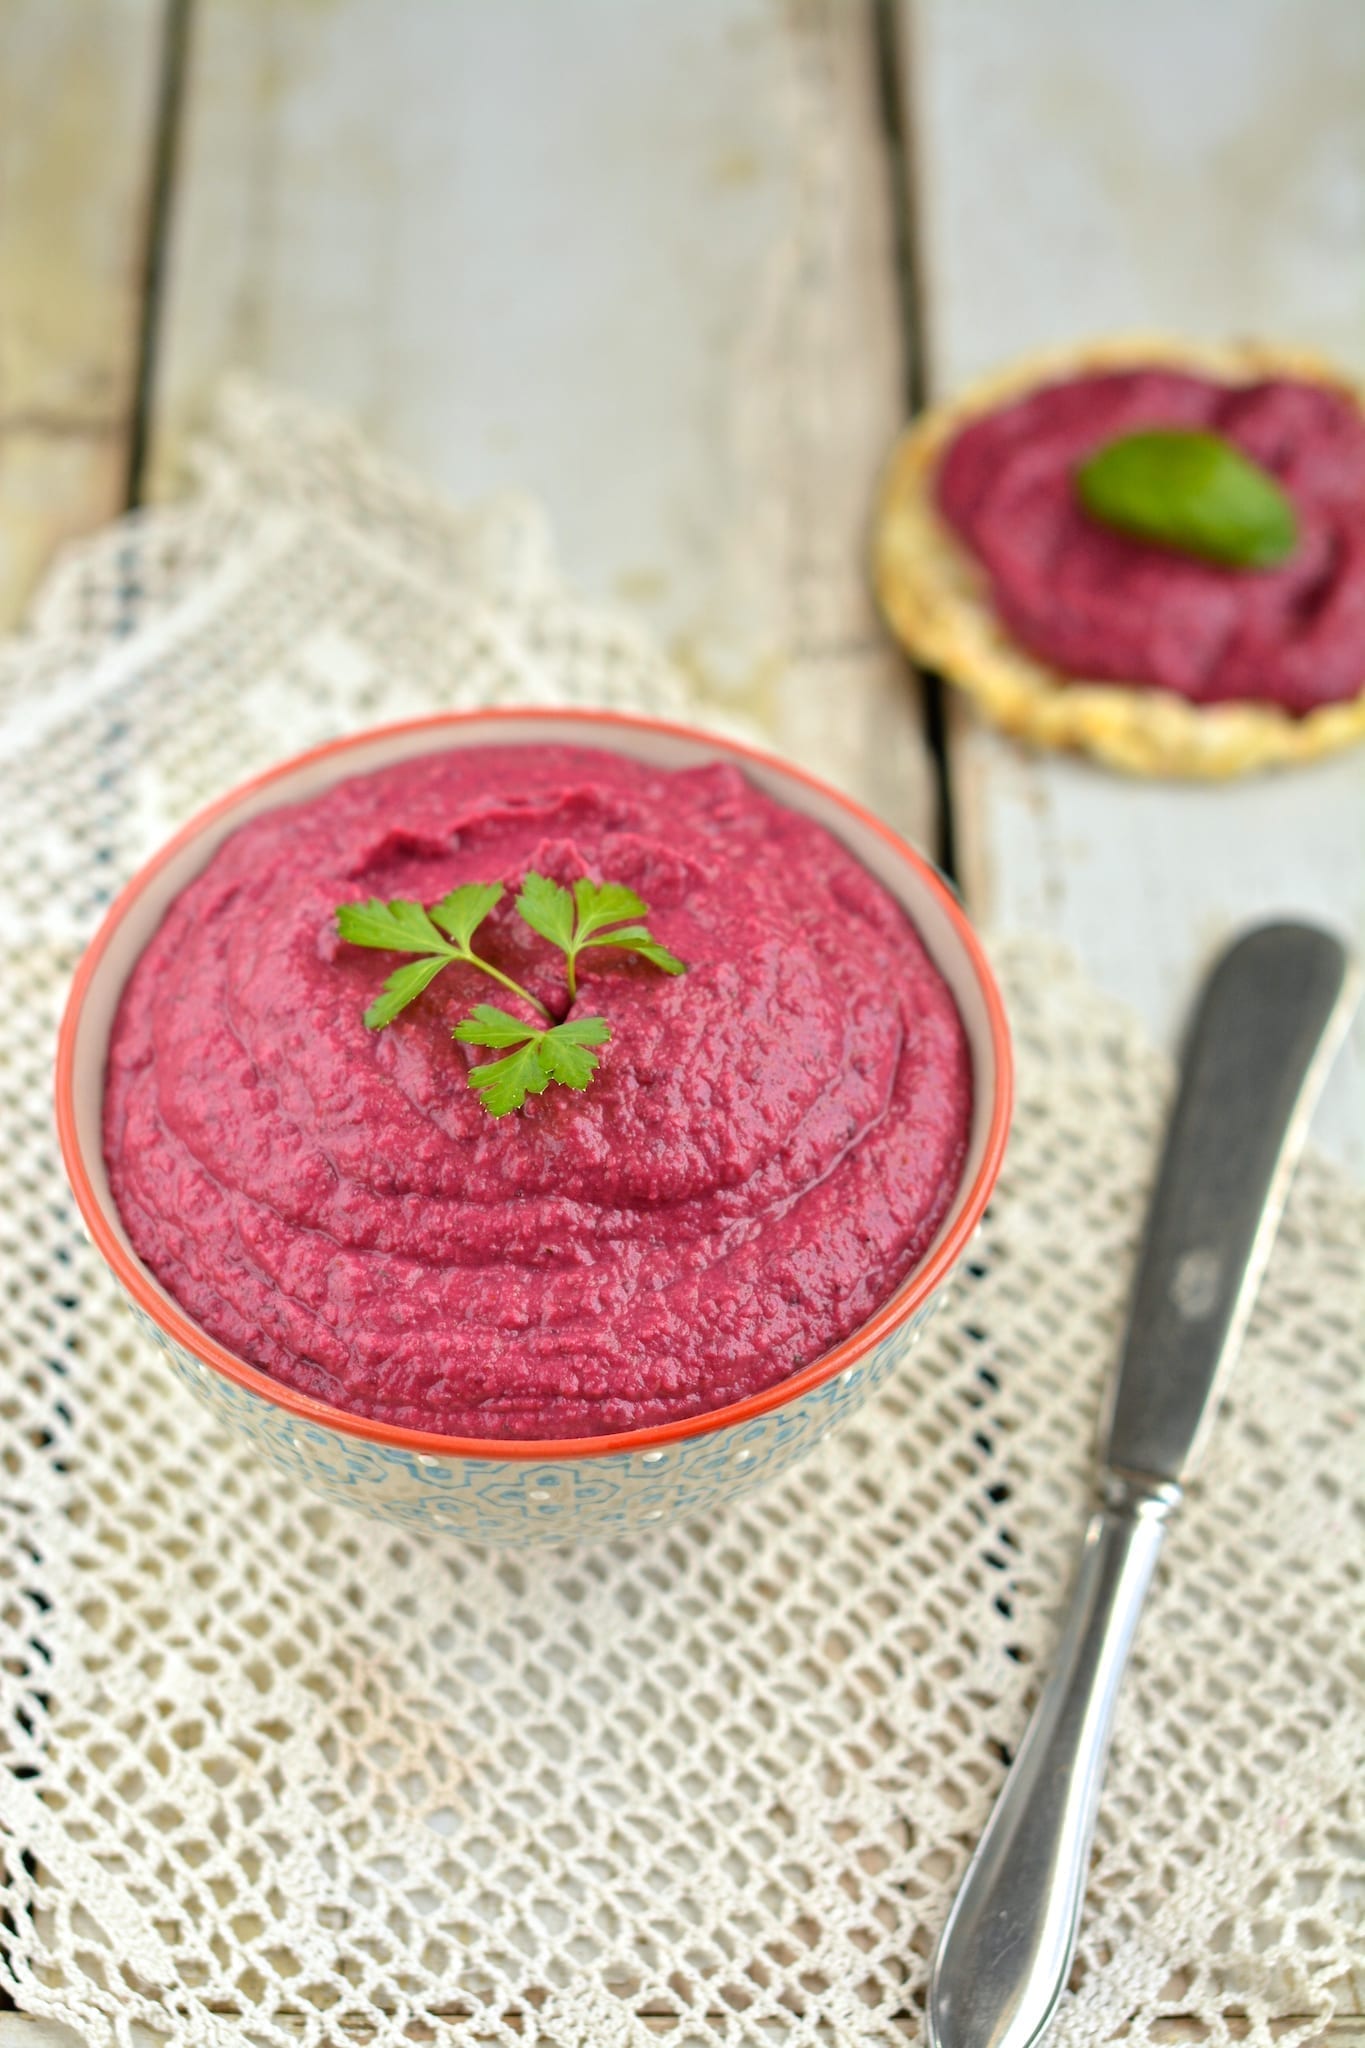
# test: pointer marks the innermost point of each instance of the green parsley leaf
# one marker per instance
(599, 903)
(563, 1049)
(503, 1085)
(635, 938)
(462, 912)
(548, 909)
(573, 922)
(566, 1061)
(398, 927)
(403, 986)
(581, 1031)
(1191, 491)
(488, 1025)
(405, 927)
(559, 1054)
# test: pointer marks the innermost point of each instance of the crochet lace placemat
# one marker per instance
(274, 1774)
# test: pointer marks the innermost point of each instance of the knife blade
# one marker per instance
(1266, 1025)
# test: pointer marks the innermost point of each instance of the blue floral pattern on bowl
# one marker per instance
(519, 1500)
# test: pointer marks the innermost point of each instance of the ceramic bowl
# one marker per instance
(530, 1491)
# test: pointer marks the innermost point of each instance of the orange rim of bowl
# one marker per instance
(169, 1317)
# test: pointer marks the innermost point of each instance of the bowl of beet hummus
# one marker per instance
(631, 1296)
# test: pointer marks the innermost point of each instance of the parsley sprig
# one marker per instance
(404, 927)
(539, 1057)
(591, 914)
(575, 920)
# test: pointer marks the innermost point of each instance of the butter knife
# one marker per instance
(1264, 1030)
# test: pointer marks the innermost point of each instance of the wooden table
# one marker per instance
(680, 272)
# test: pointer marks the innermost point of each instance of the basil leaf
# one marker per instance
(1191, 491)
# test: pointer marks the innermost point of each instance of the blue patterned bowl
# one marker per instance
(522, 1492)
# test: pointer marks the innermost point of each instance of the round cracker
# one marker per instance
(937, 598)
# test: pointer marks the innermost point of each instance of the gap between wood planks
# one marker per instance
(175, 36)
(891, 56)
(179, 26)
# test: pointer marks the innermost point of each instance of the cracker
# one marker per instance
(938, 601)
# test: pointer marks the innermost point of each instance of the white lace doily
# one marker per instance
(276, 1775)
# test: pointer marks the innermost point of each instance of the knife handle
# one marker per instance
(1257, 1050)
(1005, 1954)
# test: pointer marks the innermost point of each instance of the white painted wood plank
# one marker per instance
(78, 88)
(638, 262)
(1086, 166)
(1089, 165)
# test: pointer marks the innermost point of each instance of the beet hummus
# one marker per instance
(768, 1147)
(1097, 604)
